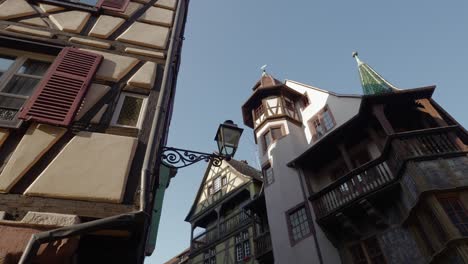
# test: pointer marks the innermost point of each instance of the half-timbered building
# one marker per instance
(224, 227)
(373, 178)
(86, 95)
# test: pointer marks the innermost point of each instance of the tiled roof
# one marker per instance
(371, 81)
(246, 169)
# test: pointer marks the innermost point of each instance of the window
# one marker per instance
(224, 181)
(129, 111)
(216, 184)
(210, 189)
(367, 252)
(92, 5)
(456, 212)
(321, 123)
(210, 256)
(305, 101)
(19, 76)
(268, 175)
(242, 245)
(289, 104)
(266, 140)
(298, 223)
(259, 111)
(85, 2)
(271, 135)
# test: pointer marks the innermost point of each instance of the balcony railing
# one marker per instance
(226, 227)
(262, 244)
(384, 170)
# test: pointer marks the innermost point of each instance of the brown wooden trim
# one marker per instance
(378, 111)
(18, 205)
(277, 118)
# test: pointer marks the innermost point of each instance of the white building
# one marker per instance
(285, 119)
(336, 183)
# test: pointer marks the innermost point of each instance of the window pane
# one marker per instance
(130, 111)
(9, 107)
(267, 139)
(21, 85)
(86, 2)
(34, 67)
(299, 224)
(328, 120)
(89, 2)
(6, 62)
(276, 132)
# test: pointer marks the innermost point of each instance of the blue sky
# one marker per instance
(410, 43)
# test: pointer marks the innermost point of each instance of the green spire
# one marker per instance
(371, 81)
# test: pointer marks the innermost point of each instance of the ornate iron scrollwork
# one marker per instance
(179, 158)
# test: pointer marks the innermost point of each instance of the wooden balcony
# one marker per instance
(262, 244)
(385, 170)
(224, 229)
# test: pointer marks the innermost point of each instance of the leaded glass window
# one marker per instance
(129, 111)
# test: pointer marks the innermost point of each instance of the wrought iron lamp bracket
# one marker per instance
(180, 158)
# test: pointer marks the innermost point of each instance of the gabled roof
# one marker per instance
(240, 166)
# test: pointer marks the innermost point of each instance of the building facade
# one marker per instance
(86, 96)
(373, 178)
(225, 228)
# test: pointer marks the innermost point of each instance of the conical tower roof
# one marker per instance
(266, 81)
(371, 81)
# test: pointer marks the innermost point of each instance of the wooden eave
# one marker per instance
(261, 93)
(398, 97)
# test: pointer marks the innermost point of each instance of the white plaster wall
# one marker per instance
(284, 194)
(286, 191)
(343, 108)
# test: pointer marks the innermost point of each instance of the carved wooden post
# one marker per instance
(378, 111)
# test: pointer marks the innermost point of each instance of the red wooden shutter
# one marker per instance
(114, 5)
(60, 92)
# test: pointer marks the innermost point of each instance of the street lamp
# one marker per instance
(227, 137)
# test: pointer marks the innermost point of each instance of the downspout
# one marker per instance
(153, 147)
(314, 232)
(160, 112)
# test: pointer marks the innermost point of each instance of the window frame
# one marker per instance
(77, 5)
(118, 109)
(240, 242)
(20, 58)
(452, 198)
(269, 131)
(83, 6)
(305, 101)
(265, 168)
(363, 247)
(319, 117)
(309, 221)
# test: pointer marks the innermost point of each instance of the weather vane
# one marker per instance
(263, 68)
